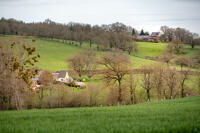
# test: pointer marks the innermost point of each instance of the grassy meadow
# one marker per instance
(171, 116)
(54, 53)
(54, 56)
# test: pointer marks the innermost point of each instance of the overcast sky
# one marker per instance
(141, 14)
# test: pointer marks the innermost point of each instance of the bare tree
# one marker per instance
(195, 42)
(184, 61)
(16, 72)
(116, 66)
(166, 58)
(158, 73)
(90, 61)
(175, 47)
(92, 92)
(147, 83)
(77, 64)
(198, 81)
(131, 47)
(172, 83)
(84, 61)
(184, 74)
(133, 84)
(46, 78)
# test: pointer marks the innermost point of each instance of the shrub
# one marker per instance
(84, 78)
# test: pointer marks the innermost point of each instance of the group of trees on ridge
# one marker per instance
(106, 37)
(179, 34)
(116, 35)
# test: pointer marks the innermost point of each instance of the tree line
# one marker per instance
(116, 35)
(179, 34)
(105, 37)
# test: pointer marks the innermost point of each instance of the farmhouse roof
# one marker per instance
(38, 75)
(61, 74)
(155, 33)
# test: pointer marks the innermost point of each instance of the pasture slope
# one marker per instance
(54, 53)
(171, 116)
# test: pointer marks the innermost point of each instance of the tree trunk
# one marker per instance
(148, 95)
(90, 44)
(159, 93)
(182, 88)
(120, 93)
(171, 93)
(192, 46)
(131, 92)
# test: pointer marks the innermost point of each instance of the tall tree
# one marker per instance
(116, 66)
(147, 84)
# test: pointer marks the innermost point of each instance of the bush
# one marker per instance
(84, 78)
(156, 40)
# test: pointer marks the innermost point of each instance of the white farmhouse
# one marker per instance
(63, 76)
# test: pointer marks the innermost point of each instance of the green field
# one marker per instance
(172, 116)
(150, 49)
(54, 53)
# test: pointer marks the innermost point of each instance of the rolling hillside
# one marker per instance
(54, 53)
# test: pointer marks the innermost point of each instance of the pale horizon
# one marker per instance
(149, 15)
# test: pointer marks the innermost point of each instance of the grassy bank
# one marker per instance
(180, 115)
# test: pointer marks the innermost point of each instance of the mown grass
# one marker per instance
(172, 116)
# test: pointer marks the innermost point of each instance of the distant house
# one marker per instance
(143, 37)
(35, 80)
(62, 76)
(153, 36)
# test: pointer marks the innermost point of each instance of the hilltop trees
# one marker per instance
(180, 34)
(142, 32)
(115, 35)
(195, 42)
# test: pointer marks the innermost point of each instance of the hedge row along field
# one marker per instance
(171, 116)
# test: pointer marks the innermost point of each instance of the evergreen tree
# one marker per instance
(142, 32)
(133, 32)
